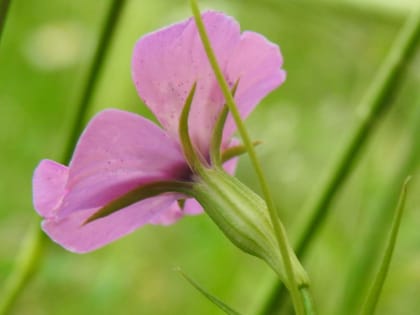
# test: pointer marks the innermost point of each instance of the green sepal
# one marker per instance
(236, 150)
(194, 160)
(217, 136)
(138, 194)
(216, 301)
(378, 283)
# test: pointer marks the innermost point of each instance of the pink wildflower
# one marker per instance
(120, 151)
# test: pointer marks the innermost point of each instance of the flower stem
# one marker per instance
(26, 266)
(4, 8)
(278, 227)
(378, 96)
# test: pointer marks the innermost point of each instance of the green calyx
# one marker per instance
(243, 217)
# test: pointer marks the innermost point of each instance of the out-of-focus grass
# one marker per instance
(331, 54)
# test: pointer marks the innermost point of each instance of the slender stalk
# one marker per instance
(4, 9)
(278, 227)
(307, 301)
(26, 266)
(115, 10)
(378, 96)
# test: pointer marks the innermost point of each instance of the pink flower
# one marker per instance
(119, 151)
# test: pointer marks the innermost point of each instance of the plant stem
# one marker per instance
(32, 247)
(94, 71)
(26, 264)
(378, 96)
(277, 225)
(4, 9)
(307, 301)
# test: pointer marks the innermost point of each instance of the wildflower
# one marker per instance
(126, 171)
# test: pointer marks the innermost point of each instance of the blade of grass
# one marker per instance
(375, 292)
(377, 97)
(4, 9)
(22, 271)
(221, 305)
(364, 261)
(25, 265)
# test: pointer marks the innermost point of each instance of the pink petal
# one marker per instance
(171, 215)
(166, 63)
(257, 62)
(70, 232)
(48, 182)
(117, 152)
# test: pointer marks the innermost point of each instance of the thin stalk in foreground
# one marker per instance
(19, 277)
(278, 227)
(378, 96)
(4, 9)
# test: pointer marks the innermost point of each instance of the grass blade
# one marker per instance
(221, 305)
(375, 292)
(4, 7)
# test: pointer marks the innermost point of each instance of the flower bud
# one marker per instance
(243, 217)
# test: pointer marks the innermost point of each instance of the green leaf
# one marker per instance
(140, 193)
(236, 151)
(375, 292)
(217, 137)
(195, 161)
(221, 305)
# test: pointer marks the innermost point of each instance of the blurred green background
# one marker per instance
(331, 52)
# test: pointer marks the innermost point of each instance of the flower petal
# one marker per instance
(48, 182)
(70, 232)
(257, 63)
(166, 64)
(117, 152)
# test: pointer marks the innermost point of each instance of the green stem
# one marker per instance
(114, 13)
(26, 266)
(4, 8)
(378, 96)
(278, 227)
(307, 301)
